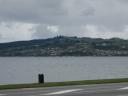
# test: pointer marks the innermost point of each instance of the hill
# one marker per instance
(66, 46)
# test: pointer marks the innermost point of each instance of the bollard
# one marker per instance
(41, 78)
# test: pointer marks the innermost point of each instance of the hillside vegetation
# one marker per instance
(66, 46)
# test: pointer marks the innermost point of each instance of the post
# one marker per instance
(41, 78)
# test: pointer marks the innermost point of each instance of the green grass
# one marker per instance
(51, 84)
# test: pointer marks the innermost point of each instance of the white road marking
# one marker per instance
(63, 92)
(2, 94)
(124, 88)
(29, 88)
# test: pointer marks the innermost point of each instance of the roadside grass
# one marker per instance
(67, 83)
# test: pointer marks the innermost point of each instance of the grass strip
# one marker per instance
(67, 83)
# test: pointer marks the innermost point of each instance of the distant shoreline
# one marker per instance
(67, 56)
(66, 46)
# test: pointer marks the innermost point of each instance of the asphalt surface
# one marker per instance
(117, 89)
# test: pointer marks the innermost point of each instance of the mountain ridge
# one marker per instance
(66, 46)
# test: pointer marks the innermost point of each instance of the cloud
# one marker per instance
(53, 29)
(96, 32)
(33, 11)
(45, 31)
(15, 31)
(49, 18)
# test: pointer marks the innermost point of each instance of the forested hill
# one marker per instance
(66, 46)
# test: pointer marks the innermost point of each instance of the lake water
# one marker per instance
(26, 69)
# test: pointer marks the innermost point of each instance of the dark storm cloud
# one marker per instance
(34, 11)
(69, 16)
(45, 11)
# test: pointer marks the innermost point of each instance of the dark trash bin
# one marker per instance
(41, 78)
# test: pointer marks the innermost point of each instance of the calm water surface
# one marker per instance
(26, 69)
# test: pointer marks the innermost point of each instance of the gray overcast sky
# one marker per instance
(33, 19)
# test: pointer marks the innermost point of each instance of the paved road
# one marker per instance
(120, 89)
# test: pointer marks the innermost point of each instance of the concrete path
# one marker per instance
(117, 89)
